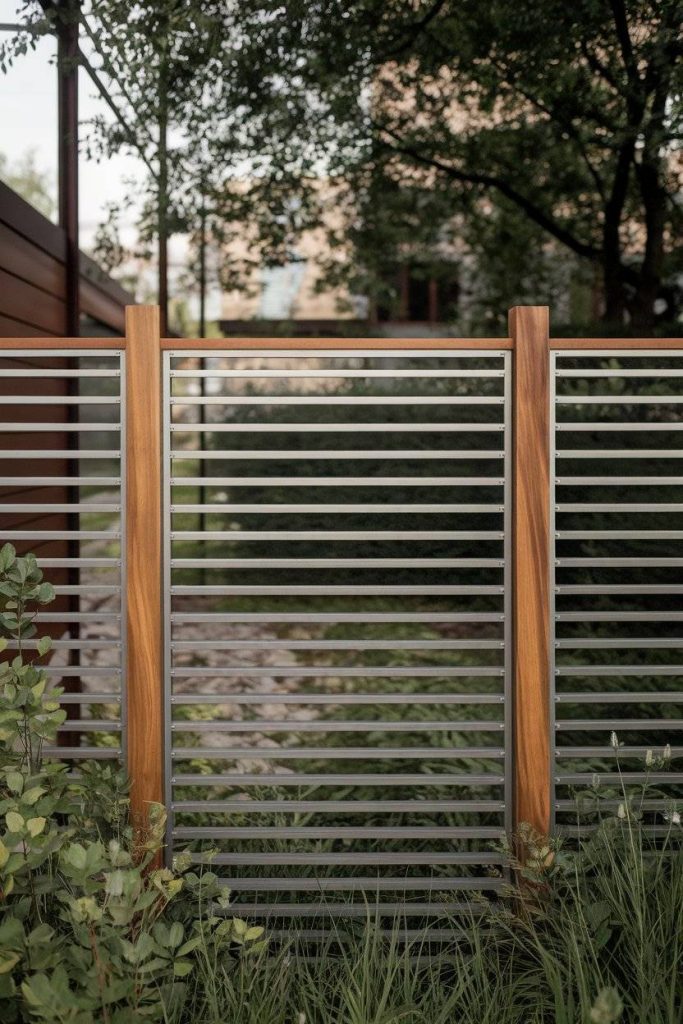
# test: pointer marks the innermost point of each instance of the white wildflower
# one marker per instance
(649, 758)
(667, 752)
(621, 813)
(614, 741)
(674, 817)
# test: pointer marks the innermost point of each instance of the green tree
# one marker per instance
(568, 113)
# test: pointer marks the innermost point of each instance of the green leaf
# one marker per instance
(9, 962)
(7, 557)
(15, 781)
(35, 826)
(14, 821)
(31, 795)
(4, 854)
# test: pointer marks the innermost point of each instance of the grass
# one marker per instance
(593, 938)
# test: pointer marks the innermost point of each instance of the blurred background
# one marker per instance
(324, 168)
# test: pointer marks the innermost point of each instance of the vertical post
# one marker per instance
(67, 65)
(144, 666)
(528, 326)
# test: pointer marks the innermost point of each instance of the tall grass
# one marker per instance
(589, 935)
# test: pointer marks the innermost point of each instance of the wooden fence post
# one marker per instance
(528, 327)
(144, 667)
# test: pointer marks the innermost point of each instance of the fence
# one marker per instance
(258, 528)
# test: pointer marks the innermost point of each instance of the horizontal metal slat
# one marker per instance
(628, 750)
(339, 563)
(619, 399)
(619, 616)
(77, 535)
(67, 645)
(339, 698)
(619, 481)
(70, 374)
(60, 481)
(89, 698)
(618, 778)
(320, 507)
(292, 832)
(80, 563)
(329, 400)
(83, 508)
(620, 507)
(620, 670)
(618, 563)
(314, 535)
(337, 617)
(81, 670)
(369, 884)
(333, 911)
(83, 753)
(51, 428)
(343, 859)
(620, 453)
(622, 724)
(644, 426)
(298, 454)
(608, 643)
(61, 400)
(432, 779)
(357, 591)
(238, 806)
(622, 697)
(369, 352)
(336, 428)
(79, 453)
(68, 617)
(342, 671)
(331, 372)
(664, 371)
(337, 753)
(89, 725)
(620, 588)
(338, 645)
(262, 725)
(337, 481)
(619, 535)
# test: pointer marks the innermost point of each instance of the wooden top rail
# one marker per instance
(595, 343)
(208, 344)
(111, 344)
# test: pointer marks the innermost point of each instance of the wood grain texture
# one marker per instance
(294, 344)
(144, 669)
(114, 344)
(590, 343)
(531, 562)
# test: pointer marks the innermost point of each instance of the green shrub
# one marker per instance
(89, 930)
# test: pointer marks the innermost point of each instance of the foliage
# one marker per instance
(568, 113)
(91, 930)
(33, 184)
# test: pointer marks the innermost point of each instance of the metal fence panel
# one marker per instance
(617, 522)
(337, 617)
(62, 495)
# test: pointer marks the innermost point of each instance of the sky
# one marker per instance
(28, 122)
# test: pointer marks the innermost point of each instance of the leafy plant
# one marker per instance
(89, 932)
